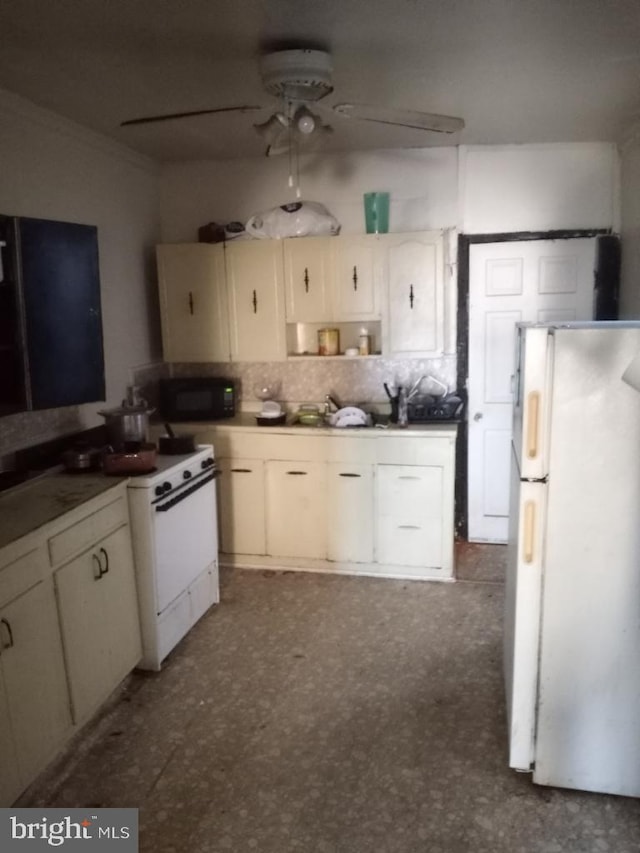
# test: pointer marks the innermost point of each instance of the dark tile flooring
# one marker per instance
(332, 714)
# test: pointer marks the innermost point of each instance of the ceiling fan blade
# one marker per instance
(171, 116)
(403, 118)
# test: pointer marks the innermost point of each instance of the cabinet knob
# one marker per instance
(478, 416)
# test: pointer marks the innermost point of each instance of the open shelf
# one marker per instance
(302, 339)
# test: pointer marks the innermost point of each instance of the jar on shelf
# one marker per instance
(328, 342)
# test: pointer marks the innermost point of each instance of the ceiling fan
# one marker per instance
(300, 78)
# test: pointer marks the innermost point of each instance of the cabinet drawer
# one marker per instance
(21, 573)
(84, 533)
(407, 492)
(415, 450)
(416, 543)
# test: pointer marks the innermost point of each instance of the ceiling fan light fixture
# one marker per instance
(305, 121)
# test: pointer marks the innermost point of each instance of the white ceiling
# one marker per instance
(515, 70)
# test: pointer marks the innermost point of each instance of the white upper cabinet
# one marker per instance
(356, 278)
(414, 272)
(260, 300)
(308, 270)
(255, 289)
(191, 281)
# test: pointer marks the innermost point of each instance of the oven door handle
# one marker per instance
(185, 493)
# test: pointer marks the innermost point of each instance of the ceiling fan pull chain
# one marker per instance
(355, 278)
(255, 302)
(411, 296)
(306, 280)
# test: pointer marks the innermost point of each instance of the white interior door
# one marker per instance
(538, 281)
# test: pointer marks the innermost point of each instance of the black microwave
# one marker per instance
(197, 398)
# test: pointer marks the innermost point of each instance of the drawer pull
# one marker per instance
(408, 527)
(7, 645)
(408, 477)
(348, 474)
(298, 473)
(241, 471)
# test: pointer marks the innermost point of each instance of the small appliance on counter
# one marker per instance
(197, 398)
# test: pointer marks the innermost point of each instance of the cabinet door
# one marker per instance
(308, 270)
(296, 509)
(413, 265)
(241, 506)
(191, 281)
(33, 667)
(63, 321)
(10, 782)
(255, 286)
(355, 285)
(350, 512)
(410, 508)
(99, 617)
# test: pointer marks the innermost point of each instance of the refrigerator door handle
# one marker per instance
(528, 539)
(533, 408)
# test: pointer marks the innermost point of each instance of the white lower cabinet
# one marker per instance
(360, 502)
(69, 625)
(241, 507)
(409, 524)
(34, 702)
(10, 782)
(350, 512)
(295, 498)
(99, 617)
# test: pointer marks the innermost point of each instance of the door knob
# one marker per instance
(477, 416)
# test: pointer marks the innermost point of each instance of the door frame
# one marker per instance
(607, 287)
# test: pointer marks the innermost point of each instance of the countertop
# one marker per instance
(247, 420)
(35, 503)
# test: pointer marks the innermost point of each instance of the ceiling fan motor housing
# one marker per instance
(297, 75)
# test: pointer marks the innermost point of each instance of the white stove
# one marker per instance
(175, 543)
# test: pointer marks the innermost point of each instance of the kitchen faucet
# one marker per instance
(330, 401)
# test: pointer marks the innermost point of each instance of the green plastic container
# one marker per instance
(376, 213)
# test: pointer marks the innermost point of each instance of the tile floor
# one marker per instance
(328, 714)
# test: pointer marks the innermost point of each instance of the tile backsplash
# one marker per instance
(351, 380)
(303, 380)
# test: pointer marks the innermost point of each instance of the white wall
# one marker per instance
(478, 189)
(538, 187)
(630, 183)
(54, 169)
(481, 189)
(422, 183)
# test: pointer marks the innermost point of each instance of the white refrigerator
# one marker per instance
(572, 610)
